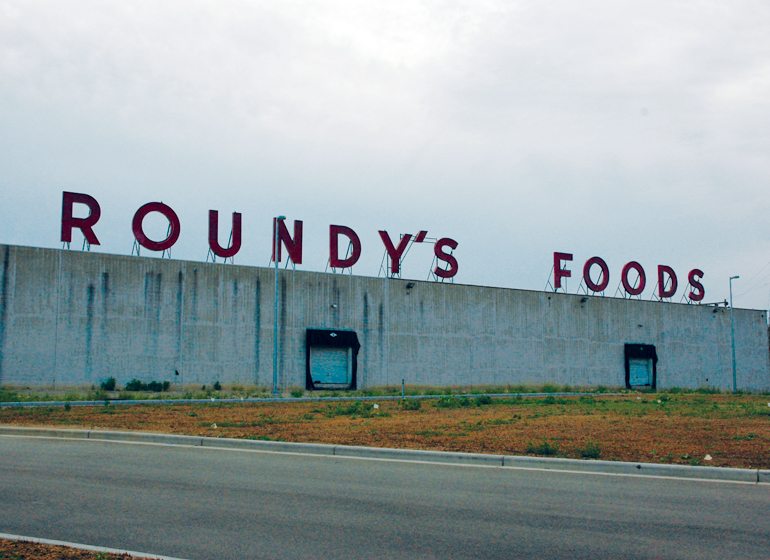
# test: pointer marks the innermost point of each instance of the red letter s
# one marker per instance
(694, 278)
(448, 258)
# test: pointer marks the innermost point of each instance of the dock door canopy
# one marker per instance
(332, 359)
(641, 366)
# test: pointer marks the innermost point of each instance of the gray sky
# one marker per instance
(627, 130)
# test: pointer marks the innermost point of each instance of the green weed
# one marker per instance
(410, 404)
(499, 421)
(483, 400)
(428, 433)
(108, 384)
(591, 451)
(153, 386)
(545, 448)
(448, 401)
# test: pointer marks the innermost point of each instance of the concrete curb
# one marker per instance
(140, 437)
(44, 432)
(450, 457)
(755, 476)
(273, 446)
(621, 467)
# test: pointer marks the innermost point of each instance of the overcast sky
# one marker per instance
(627, 130)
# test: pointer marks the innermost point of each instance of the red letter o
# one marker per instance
(604, 278)
(630, 290)
(146, 242)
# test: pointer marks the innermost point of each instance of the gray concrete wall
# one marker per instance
(73, 318)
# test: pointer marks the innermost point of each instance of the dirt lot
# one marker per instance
(12, 550)
(695, 429)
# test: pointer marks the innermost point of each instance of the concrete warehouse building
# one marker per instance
(76, 318)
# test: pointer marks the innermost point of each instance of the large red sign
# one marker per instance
(667, 281)
(595, 274)
(292, 243)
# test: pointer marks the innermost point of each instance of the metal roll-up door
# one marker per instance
(640, 372)
(330, 366)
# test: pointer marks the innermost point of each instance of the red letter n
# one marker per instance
(293, 246)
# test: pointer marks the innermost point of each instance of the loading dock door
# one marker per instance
(641, 366)
(330, 366)
(331, 359)
(640, 372)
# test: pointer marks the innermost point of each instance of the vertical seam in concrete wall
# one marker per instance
(544, 306)
(365, 335)
(4, 306)
(57, 295)
(104, 290)
(89, 332)
(218, 327)
(180, 292)
(386, 329)
(257, 328)
(232, 329)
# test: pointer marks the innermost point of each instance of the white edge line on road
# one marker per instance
(392, 460)
(91, 548)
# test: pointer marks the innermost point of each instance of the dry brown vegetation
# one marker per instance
(19, 550)
(696, 429)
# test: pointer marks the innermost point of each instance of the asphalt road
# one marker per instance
(204, 503)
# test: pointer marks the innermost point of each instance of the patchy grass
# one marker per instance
(135, 389)
(354, 409)
(684, 428)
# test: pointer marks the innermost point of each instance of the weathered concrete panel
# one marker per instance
(72, 318)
